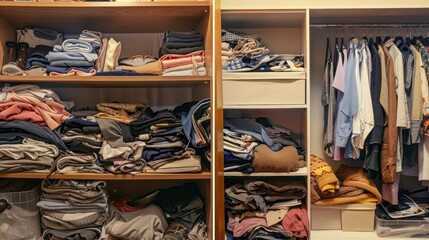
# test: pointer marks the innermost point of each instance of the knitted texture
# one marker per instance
(354, 177)
(324, 175)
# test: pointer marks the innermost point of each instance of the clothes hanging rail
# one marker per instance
(375, 25)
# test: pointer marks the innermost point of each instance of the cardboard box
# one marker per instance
(354, 217)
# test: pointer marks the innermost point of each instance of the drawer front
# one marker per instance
(245, 92)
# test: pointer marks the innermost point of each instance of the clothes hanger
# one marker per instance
(378, 38)
(387, 36)
(371, 39)
(400, 41)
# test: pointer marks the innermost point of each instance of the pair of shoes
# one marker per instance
(15, 58)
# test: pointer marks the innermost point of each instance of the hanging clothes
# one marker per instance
(329, 102)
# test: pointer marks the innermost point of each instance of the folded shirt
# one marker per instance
(180, 47)
(75, 45)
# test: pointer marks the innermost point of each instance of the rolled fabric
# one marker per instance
(76, 45)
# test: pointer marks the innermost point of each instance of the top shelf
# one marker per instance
(262, 19)
(106, 17)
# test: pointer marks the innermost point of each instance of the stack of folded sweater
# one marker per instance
(190, 64)
(81, 134)
(166, 145)
(258, 146)
(355, 185)
(73, 209)
(84, 140)
(182, 54)
(258, 207)
(75, 56)
(181, 43)
(28, 141)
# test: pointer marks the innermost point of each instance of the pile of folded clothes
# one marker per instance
(29, 115)
(182, 54)
(181, 43)
(346, 185)
(158, 216)
(261, 207)
(258, 146)
(243, 52)
(75, 56)
(82, 134)
(167, 134)
(73, 209)
(120, 153)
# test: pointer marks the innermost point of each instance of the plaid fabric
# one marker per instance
(235, 36)
(235, 64)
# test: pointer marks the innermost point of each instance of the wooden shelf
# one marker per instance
(266, 106)
(262, 19)
(372, 16)
(109, 176)
(110, 17)
(111, 81)
(262, 75)
(300, 172)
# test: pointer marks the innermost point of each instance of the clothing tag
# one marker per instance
(4, 96)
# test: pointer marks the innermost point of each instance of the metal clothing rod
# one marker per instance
(382, 25)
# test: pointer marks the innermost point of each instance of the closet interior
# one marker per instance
(372, 25)
(140, 28)
(267, 98)
(363, 19)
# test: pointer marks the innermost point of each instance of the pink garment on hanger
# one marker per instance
(339, 84)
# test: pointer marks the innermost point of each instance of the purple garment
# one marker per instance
(339, 84)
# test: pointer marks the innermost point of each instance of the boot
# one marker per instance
(22, 56)
(17, 67)
(10, 52)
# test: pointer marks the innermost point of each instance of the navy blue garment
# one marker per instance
(149, 118)
(25, 129)
(186, 205)
(192, 116)
(80, 125)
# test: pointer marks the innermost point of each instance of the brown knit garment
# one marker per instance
(323, 174)
(354, 177)
(343, 192)
(284, 160)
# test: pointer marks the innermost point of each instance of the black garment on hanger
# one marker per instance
(372, 160)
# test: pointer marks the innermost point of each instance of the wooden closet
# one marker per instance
(291, 26)
(140, 27)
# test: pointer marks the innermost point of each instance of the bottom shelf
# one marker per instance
(341, 235)
(205, 174)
